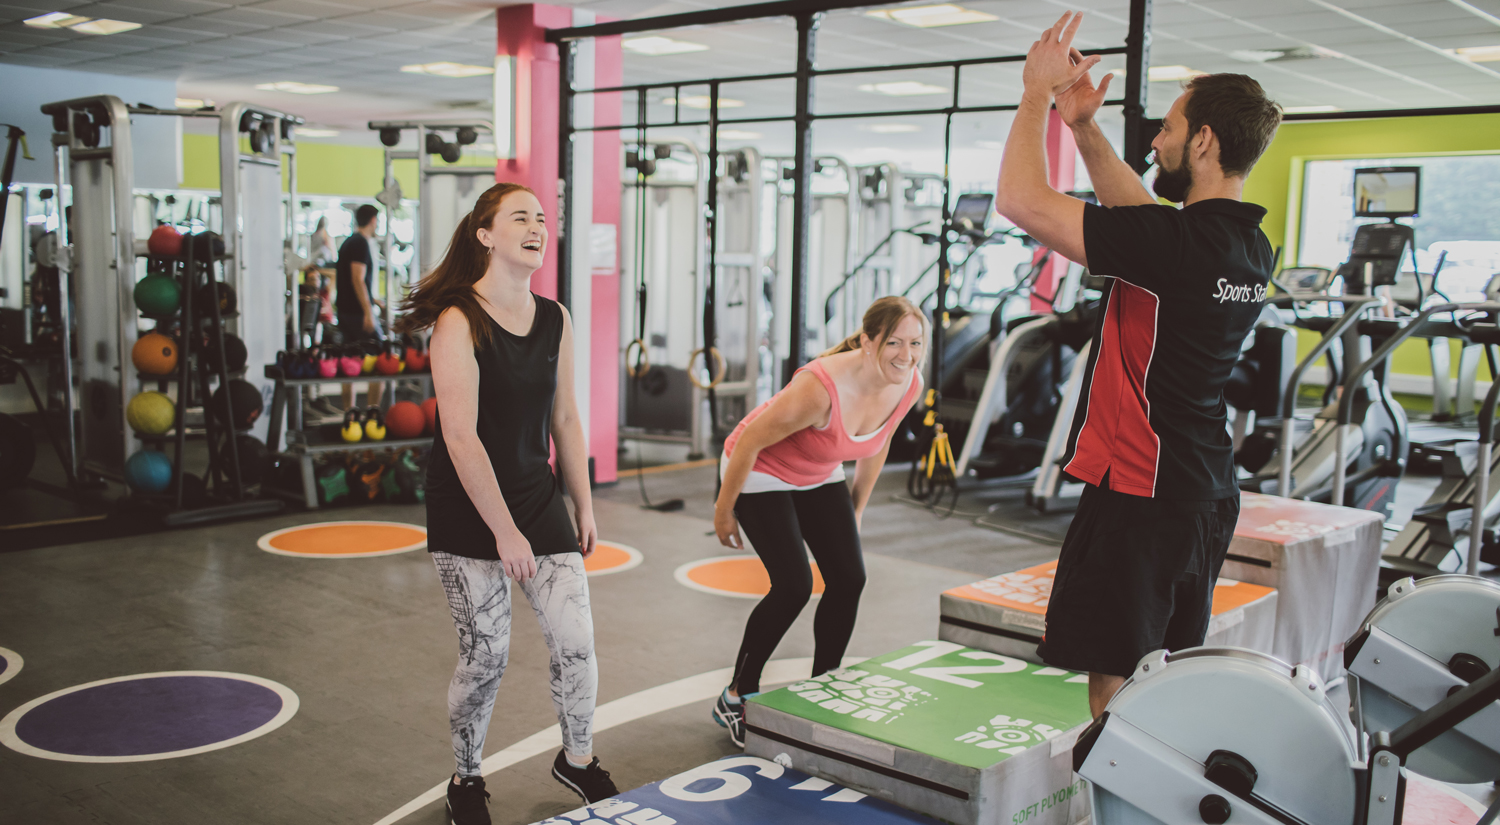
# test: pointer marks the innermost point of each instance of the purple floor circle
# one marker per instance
(148, 716)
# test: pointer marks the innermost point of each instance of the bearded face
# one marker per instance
(1173, 182)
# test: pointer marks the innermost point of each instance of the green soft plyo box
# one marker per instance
(966, 735)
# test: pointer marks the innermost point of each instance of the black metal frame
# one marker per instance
(808, 15)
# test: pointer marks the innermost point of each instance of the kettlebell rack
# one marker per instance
(223, 485)
(303, 443)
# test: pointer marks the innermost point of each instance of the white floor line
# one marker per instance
(698, 688)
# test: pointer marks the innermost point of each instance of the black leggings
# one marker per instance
(776, 524)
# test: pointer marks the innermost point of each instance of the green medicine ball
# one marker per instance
(158, 295)
(151, 413)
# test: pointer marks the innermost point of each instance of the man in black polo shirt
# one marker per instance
(354, 294)
(1186, 286)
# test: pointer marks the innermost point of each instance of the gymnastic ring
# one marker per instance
(718, 375)
(643, 364)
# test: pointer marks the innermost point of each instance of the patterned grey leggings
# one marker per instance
(479, 596)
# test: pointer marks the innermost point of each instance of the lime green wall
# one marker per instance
(322, 168)
(1276, 182)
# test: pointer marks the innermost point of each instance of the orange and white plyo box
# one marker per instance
(1007, 614)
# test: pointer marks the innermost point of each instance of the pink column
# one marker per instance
(521, 33)
(1062, 155)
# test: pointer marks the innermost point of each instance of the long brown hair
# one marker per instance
(880, 322)
(451, 282)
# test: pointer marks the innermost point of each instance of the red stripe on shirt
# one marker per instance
(1116, 436)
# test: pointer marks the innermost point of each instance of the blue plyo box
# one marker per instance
(741, 790)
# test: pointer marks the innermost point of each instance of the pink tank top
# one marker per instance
(809, 455)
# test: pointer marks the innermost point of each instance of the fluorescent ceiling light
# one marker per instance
(446, 69)
(990, 144)
(56, 20)
(1256, 55)
(657, 46)
(191, 103)
(737, 134)
(928, 17)
(1310, 110)
(703, 102)
(890, 128)
(103, 26)
(1474, 54)
(1161, 73)
(303, 131)
(903, 88)
(296, 88)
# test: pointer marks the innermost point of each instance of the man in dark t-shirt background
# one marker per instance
(1185, 287)
(354, 290)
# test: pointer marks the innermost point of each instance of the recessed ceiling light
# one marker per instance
(446, 69)
(657, 46)
(303, 131)
(296, 88)
(928, 17)
(890, 128)
(1310, 110)
(1475, 54)
(737, 134)
(1161, 73)
(56, 20)
(703, 102)
(903, 88)
(103, 26)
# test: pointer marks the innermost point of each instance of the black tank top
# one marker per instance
(517, 385)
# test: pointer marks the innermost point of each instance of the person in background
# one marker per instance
(354, 295)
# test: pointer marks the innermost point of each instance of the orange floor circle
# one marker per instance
(345, 539)
(611, 557)
(742, 577)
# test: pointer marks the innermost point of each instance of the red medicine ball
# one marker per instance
(429, 408)
(405, 420)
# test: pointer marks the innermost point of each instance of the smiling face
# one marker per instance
(901, 352)
(517, 237)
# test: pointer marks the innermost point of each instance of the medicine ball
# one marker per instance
(150, 413)
(154, 354)
(158, 295)
(429, 409)
(165, 240)
(245, 399)
(253, 455)
(237, 355)
(17, 451)
(203, 299)
(405, 420)
(207, 245)
(148, 471)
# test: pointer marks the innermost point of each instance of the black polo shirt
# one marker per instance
(1186, 287)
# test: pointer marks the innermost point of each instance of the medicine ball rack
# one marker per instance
(303, 443)
(223, 483)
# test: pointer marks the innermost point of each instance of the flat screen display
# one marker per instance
(1387, 191)
(972, 212)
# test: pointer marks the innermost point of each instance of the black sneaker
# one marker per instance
(591, 783)
(468, 802)
(731, 716)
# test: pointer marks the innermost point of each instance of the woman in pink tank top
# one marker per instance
(784, 484)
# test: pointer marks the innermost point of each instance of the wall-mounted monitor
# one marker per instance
(1387, 191)
(972, 212)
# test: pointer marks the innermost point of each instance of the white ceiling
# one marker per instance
(1382, 54)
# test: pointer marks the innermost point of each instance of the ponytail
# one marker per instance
(879, 323)
(451, 282)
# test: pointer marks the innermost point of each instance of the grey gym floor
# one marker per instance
(368, 646)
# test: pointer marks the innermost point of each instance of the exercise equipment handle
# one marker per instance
(1482, 477)
(859, 267)
(1289, 401)
(1442, 717)
(1346, 399)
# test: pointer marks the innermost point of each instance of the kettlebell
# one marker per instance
(416, 359)
(374, 424)
(353, 430)
(328, 365)
(367, 364)
(388, 362)
(350, 364)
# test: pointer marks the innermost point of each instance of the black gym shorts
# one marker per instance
(1136, 575)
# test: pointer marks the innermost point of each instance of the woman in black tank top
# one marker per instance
(502, 369)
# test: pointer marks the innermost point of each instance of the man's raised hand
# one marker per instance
(1078, 104)
(1050, 68)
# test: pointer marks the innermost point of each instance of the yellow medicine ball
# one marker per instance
(151, 413)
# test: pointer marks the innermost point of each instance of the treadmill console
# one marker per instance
(1305, 281)
(1375, 257)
